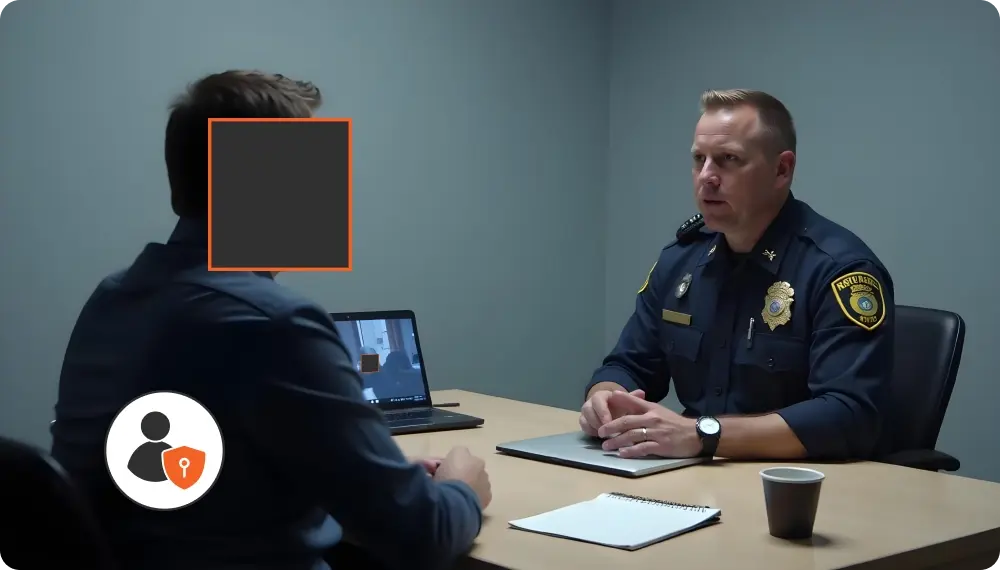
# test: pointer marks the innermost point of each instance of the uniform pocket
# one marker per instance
(770, 375)
(682, 347)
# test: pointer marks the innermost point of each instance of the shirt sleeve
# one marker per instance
(637, 360)
(850, 362)
(311, 419)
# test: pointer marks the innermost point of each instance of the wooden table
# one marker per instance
(871, 515)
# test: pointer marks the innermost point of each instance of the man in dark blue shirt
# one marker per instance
(307, 460)
(775, 323)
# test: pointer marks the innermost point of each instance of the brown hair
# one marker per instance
(230, 94)
(775, 120)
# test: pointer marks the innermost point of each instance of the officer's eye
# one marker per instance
(699, 157)
(731, 158)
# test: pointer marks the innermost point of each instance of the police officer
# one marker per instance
(775, 323)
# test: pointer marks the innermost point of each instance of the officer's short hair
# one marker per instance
(779, 128)
(230, 94)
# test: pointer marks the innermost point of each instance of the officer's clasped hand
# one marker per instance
(642, 428)
(595, 412)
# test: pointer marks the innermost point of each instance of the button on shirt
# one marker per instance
(802, 326)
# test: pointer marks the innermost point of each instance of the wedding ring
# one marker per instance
(644, 436)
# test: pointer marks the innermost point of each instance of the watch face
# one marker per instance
(709, 426)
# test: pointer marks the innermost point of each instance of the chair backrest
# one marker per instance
(928, 353)
(46, 520)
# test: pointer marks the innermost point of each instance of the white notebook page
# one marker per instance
(620, 521)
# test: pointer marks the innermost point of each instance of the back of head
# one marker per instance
(397, 360)
(237, 94)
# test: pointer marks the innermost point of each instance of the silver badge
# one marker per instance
(683, 286)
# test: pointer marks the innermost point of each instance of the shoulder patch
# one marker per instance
(859, 296)
(645, 284)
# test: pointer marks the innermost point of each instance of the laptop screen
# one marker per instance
(386, 352)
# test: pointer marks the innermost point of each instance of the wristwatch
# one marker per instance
(709, 430)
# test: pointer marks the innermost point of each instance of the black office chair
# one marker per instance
(45, 522)
(928, 353)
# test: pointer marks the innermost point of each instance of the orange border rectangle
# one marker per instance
(350, 192)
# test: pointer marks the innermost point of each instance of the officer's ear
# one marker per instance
(785, 169)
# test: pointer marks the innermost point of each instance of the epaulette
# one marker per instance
(690, 229)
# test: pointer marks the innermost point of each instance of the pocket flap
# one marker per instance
(775, 353)
(681, 341)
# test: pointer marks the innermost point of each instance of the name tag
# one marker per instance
(676, 318)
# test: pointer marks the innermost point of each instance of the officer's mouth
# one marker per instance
(714, 203)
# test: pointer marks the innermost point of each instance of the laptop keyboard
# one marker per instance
(400, 415)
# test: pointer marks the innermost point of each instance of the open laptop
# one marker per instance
(577, 449)
(385, 349)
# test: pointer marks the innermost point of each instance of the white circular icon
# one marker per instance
(164, 450)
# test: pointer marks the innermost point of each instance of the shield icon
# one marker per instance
(183, 465)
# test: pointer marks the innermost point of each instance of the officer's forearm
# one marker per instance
(610, 386)
(758, 437)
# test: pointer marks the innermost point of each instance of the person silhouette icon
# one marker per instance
(146, 462)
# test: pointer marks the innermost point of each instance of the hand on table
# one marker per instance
(595, 412)
(644, 428)
(461, 465)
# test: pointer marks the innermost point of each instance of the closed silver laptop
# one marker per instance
(576, 449)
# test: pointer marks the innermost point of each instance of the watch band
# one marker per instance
(709, 445)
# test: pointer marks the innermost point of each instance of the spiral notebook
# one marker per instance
(620, 521)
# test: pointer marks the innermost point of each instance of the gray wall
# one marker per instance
(480, 152)
(896, 108)
(501, 110)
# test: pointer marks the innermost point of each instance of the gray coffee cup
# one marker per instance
(791, 496)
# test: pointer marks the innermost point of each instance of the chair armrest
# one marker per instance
(926, 459)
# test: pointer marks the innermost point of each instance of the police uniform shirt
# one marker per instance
(802, 326)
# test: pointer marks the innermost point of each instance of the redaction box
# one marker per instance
(279, 194)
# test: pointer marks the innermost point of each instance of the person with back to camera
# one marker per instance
(776, 324)
(307, 459)
(397, 378)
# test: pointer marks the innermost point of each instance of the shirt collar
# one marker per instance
(193, 232)
(770, 249)
(772, 246)
(190, 231)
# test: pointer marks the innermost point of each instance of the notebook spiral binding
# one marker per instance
(648, 501)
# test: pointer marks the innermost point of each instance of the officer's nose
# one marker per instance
(708, 180)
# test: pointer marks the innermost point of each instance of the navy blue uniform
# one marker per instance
(306, 457)
(801, 326)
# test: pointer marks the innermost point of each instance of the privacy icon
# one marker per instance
(183, 465)
(164, 450)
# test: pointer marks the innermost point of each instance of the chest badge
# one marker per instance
(683, 286)
(778, 304)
